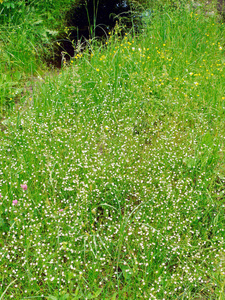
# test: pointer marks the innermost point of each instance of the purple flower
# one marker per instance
(15, 202)
(24, 187)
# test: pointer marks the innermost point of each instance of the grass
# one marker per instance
(117, 168)
(29, 30)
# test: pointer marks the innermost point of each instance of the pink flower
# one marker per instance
(24, 187)
(0, 195)
(15, 202)
(61, 209)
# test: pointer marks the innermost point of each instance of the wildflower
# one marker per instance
(97, 70)
(15, 202)
(61, 210)
(24, 187)
(0, 195)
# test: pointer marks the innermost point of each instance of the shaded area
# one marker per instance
(92, 19)
(221, 7)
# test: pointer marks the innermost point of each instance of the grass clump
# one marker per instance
(29, 30)
(112, 174)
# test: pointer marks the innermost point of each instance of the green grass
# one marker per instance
(29, 30)
(123, 157)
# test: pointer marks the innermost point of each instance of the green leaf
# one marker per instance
(64, 297)
(2, 242)
(189, 162)
(76, 295)
(52, 297)
(127, 272)
(77, 291)
(52, 32)
(18, 75)
(2, 223)
(96, 294)
(38, 22)
(114, 296)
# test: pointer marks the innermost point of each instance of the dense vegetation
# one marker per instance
(112, 170)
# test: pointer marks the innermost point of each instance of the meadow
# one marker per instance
(112, 169)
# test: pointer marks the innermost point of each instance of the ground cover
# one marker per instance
(112, 172)
(28, 38)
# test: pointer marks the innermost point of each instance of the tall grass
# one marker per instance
(28, 31)
(112, 173)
